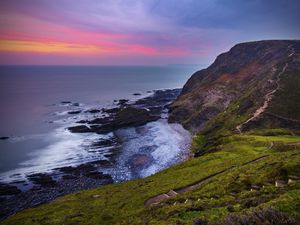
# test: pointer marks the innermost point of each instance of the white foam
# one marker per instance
(67, 149)
(166, 144)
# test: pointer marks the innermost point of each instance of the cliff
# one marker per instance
(253, 85)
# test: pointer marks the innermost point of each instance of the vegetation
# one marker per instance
(252, 163)
(285, 101)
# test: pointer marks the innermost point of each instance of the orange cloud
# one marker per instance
(50, 47)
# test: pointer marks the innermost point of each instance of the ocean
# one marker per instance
(35, 101)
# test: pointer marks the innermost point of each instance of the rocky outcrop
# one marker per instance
(139, 113)
(249, 80)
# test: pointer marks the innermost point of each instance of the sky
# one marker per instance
(137, 32)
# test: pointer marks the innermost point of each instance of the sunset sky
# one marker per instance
(137, 32)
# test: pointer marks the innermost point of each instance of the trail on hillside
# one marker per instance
(172, 193)
(269, 95)
(268, 98)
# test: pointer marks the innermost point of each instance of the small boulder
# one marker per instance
(280, 183)
(74, 112)
(4, 138)
(79, 129)
(93, 111)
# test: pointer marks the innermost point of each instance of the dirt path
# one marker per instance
(269, 95)
(172, 193)
(268, 98)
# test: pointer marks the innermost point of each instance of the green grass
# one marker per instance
(285, 101)
(229, 192)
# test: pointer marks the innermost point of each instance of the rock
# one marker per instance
(101, 143)
(81, 169)
(6, 189)
(140, 160)
(126, 117)
(293, 179)
(65, 102)
(280, 183)
(42, 179)
(82, 121)
(172, 193)
(141, 112)
(93, 111)
(98, 175)
(79, 129)
(74, 112)
(136, 94)
(68, 177)
(123, 102)
(75, 104)
(111, 110)
(290, 181)
(157, 110)
(102, 163)
(102, 120)
(4, 138)
(159, 98)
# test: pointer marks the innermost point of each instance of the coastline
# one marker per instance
(149, 114)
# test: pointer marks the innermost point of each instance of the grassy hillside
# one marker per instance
(250, 164)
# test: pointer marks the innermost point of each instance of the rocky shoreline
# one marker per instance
(65, 180)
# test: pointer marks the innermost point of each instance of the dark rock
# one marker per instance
(68, 177)
(42, 179)
(93, 111)
(75, 104)
(42, 194)
(82, 121)
(74, 112)
(102, 120)
(80, 129)
(6, 189)
(157, 110)
(65, 102)
(4, 138)
(140, 160)
(159, 98)
(105, 143)
(111, 111)
(129, 115)
(126, 117)
(136, 94)
(81, 169)
(102, 163)
(123, 102)
(98, 175)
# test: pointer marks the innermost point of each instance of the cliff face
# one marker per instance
(255, 84)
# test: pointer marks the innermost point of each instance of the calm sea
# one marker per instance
(33, 116)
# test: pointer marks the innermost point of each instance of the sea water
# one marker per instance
(35, 101)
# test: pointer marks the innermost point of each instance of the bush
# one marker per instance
(261, 216)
